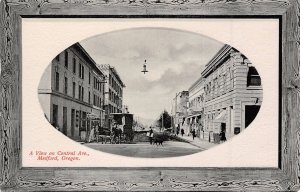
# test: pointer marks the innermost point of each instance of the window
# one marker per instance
(74, 65)
(72, 122)
(55, 115)
(79, 92)
(89, 97)
(57, 81)
(82, 71)
(66, 59)
(89, 77)
(65, 120)
(82, 93)
(94, 82)
(253, 78)
(66, 85)
(94, 101)
(83, 125)
(74, 89)
(79, 66)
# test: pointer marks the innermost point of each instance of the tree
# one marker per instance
(166, 120)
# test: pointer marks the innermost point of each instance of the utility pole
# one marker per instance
(162, 123)
(175, 111)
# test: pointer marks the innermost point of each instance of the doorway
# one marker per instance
(250, 113)
(223, 127)
(55, 116)
(72, 122)
(64, 121)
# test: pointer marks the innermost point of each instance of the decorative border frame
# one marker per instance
(14, 177)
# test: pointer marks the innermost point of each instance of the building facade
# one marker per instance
(233, 93)
(194, 118)
(113, 92)
(179, 111)
(71, 92)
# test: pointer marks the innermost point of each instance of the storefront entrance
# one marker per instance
(250, 113)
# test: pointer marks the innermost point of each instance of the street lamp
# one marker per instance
(144, 67)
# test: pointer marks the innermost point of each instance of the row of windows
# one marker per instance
(78, 119)
(112, 109)
(115, 86)
(98, 84)
(218, 84)
(197, 102)
(97, 100)
(81, 67)
(114, 98)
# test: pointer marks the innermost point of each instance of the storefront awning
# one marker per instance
(195, 115)
(92, 116)
(221, 118)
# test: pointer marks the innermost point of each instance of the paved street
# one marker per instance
(169, 149)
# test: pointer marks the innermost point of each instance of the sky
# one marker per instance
(175, 60)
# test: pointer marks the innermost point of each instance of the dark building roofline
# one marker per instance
(217, 59)
(109, 67)
(195, 83)
(117, 75)
(86, 56)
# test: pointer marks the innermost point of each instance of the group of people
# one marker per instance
(222, 134)
(182, 132)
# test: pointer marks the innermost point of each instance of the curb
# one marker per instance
(187, 141)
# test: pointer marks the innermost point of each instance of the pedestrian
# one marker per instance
(182, 132)
(150, 135)
(177, 131)
(222, 136)
(194, 134)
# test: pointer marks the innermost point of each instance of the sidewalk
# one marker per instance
(197, 142)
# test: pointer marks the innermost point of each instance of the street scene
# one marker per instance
(150, 93)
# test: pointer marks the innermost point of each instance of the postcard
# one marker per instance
(150, 92)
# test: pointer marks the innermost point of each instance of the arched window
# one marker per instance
(253, 78)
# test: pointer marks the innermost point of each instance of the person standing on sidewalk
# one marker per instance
(182, 132)
(222, 136)
(194, 134)
(150, 135)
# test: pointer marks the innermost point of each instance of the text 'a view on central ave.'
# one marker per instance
(91, 103)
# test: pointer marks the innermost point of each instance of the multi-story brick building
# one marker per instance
(113, 92)
(71, 92)
(233, 93)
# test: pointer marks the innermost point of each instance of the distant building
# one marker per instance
(179, 111)
(195, 115)
(233, 93)
(113, 92)
(71, 92)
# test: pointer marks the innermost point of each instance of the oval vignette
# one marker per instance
(150, 92)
